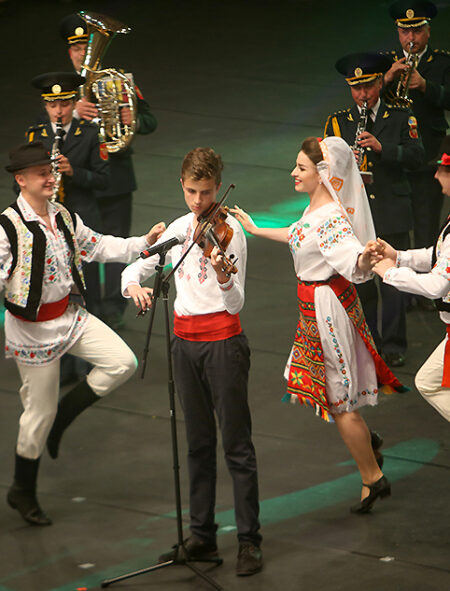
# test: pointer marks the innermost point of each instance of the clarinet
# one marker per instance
(54, 157)
(361, 127)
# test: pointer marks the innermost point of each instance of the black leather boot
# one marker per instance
(69, 407)
(22, 494)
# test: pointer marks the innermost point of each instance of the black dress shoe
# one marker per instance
(381, 488)
(249, 560)
(27, 504)
(394, 359)
(377, 441)
(196, 549)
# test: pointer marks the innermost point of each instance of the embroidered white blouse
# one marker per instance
(42, 342)
(198, 291)
(323, 244)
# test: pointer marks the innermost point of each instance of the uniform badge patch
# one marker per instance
(103, 152)
(413, 133)
(138, 92)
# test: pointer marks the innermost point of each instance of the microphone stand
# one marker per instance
(181, 556)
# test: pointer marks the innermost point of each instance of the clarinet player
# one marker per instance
(388, 147)
(81, 166)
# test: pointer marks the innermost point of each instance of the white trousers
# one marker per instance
(114, 362)
(429, 380)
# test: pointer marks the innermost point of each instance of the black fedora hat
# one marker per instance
(26, 155)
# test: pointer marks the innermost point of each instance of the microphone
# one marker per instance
(162, 247)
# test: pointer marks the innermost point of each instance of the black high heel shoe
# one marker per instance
(381, 488)
(377, 441)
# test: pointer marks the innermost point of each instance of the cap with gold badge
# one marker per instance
(412, 13)
(360, 68)
(58, 85)
(73, 29)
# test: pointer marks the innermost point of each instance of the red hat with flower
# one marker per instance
(444, 158)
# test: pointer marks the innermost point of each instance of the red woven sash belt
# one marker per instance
(49, 311)
(207, 327)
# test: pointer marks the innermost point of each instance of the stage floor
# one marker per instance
(250, 79)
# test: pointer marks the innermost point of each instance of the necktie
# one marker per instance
(369, 124)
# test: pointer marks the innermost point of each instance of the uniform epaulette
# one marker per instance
(36, 127)
(441, 51)
(397, 107)
(88, 123)
(341, 111)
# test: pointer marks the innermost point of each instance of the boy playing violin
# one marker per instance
(211, 361)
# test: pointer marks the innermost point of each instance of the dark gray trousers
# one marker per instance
(213, 376)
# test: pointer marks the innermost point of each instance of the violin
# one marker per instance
(212, 230)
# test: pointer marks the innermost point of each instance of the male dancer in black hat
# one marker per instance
(391, 145)
(42, 248)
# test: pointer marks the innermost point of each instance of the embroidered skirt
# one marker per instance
(334, 365)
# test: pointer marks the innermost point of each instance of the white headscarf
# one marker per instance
(340, 175)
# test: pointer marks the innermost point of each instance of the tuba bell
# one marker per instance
(109, 89)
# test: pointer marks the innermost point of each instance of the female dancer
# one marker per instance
(333, 366)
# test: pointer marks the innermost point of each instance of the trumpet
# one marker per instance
(400, 98)
(360, 128)
(109, 89)
(54, 157)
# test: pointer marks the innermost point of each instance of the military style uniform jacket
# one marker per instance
(429, 107)
(89, 162)
(389, 194)
(121, 177)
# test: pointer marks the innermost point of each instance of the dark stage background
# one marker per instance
(251, 79)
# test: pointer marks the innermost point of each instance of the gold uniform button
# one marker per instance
(370, 164)
(372, 196)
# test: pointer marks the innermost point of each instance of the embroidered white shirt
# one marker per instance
(198, 291)
(43, 342)
(414, 273)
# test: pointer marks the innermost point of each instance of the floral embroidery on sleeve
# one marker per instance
(296, 236)
(334, 231)
(88, 245)
(442, 267)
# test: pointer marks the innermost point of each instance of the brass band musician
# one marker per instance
(392, 145)
(114, 202)
(428, 92)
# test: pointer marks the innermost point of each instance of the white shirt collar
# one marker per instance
(374, 109)
(28, 212)
(65, 127)
(419, 55)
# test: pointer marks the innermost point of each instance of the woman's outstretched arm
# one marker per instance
(278, 234)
